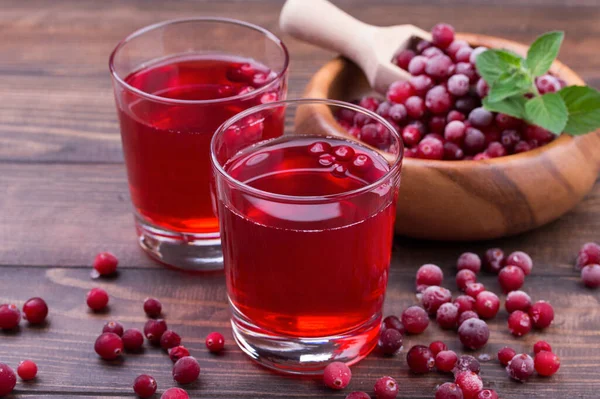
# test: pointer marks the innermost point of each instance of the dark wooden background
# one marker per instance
(64, 198)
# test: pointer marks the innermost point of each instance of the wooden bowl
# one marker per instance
(475, 200)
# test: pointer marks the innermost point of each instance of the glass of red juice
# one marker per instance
(175, 82)
(306, 214)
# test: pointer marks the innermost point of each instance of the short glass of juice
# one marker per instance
(307, 215)
(174, 83)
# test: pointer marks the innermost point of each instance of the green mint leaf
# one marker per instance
(508, 85)
(548, 111)
(492, 64)
(583, 104)
(543, 52)
(511, 59)
(513, 106)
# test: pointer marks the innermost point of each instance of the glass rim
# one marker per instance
(394, 168)
(267, 33)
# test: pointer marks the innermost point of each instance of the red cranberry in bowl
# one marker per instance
(453, 152)
(442, 35)
(402, 59)
(438, 100)
(430, 148)
(474, 141)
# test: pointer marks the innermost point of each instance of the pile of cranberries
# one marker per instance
(438, 111)
(588, 262)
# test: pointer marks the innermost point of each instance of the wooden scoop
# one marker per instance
(371, 47)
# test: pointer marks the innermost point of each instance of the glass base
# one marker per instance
(306, 356)
(185, 251)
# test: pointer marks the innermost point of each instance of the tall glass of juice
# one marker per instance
(307, 214)
(175, 82)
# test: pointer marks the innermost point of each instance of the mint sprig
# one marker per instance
(511, 78)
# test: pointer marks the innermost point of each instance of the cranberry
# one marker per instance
(547, 84)
(109, 346)
(466, 315)
(415, 107)
(132, 340)
(421, 84)
(361, 119)
(469, 261)
(495, 149)
(317, 148)
(144, 386)
(175, 393)
(386, 388)
(467, 363)
(464, 303)
(154, 329)
(442, 35)
(429, 274)
(430, 148)
(541, 346)
(384, 109)
(482, 88)
(494, 260)
(520, 367)
(390, 341)
(487, 394)
(420, 359)
(445, 361)
(590, 275)
(439, 66)
(417, 65)
(411, 135)
(522, 146)
(521, 260)
(400, 91)
(326, 160)
(437, 347)
(517, 300)
(466, 104)
(546, 363)
(27, 370)
(97, 299)
(358, 395)
(337, 375)
(448, 390)
(437, 124)
(8, 379)
(509, 139)
(402, 59)
(538, 133)
(438, 100)
(473, 333)
(215, 342)
(588, 254)
(455, 46)
(455, 132)
(480, 117)
(186, 370)
(452, 151)
(505, 355)
(339, 170)
(415, 320)
(10, 316)
(487, 304)
(169, 339)
(113, 327)
(470, 383)
(370, 103)
(464, 68)
(343, 153)
(463, 54)
(177, 353)
(481, 156)
(542, 314)
(474, 141)
(506, 122)
(455, 115)
(519, 323)
(35, 310)
(433, 297)
(374, 134)
(397, 113)
(465, 277)
(106, 263)
(395, 323)
(432, 52)
(511, 278)
(447, 316)
(458, 85)
(474, 289)
(346, 115)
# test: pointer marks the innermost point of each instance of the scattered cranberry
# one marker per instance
(474, 289)
(215, 342)
(97, 299)
(428, 275)
(8, 379)
(113, 327)
(447, 316)
(541, 346)
(487, 394)
(466, 315)
(177, 353)
(494, 260)
(470, 383)
(469, 261)
(144, 386)
(169, 339)
(109, 346)
(433, 297)
(517, 300)
(27, 370)
(175, 393)
(474, 333)
(186, 370)
(390, 341)
(590, 275)
(464, 303)
(467, 363)
(448, 390)
(154, 329)
(10, 316)
(386, 388)
(519, 323)
(546, 363)
(35, 310)
(542, 314)
(132, 339)
(415, 320)
(106, 263)
(153, 307)
(465, 277)
(420, 359)
(337, 375)
(511, 278)
(487, 304)
(588, 254)
(505, 355)
(445, 361)
(521, 260)
(395, 323)
(437, 347)
(520, 367)
(358, 395)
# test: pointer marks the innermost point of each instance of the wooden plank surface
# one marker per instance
(64, 198)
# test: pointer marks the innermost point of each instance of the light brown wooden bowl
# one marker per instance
(475, 200)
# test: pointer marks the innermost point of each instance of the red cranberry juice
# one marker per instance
(305, 269)
(167, 145)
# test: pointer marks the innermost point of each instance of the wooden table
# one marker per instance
(64, 198)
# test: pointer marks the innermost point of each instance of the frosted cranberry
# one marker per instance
(469, 261)
(435, 136)
(8, 379)
(27, 370)
(505, 355)
(169, 339)
(113, 327)
(511, 278)
(520, 367)
(395, 323)
(415, 107)
(361, 119)
(474, 333)
(494, 260)
(466, 104)
(439, 67)
(521, 260)
(522, 146)
(109, 346)
(420, 360)
(390, 341)
(465, 277)
(475, 54)
(474, 141)
(467, 363)
(106, 263)
(411, 135)
(415, 320)
(358, 395)
(175, 393)
(132, 339)
(430, 148)
(474, 289)
(437, 124)
(541, 346)
(519, 323)
(456, 45)
(399, 91)
(421, 84)
(442, 35)
(588, 254)
(186, 370)
(417, 65)
(487, 394)
(432, 52)
(343, 153)
(480, 117)
(464, 68)
(316, 148)
(374, 134)
(538, 133)
(397, 113)
(433, 297)
(517, 300)
(97, 299)
(445, 361)
(429, 274)
(448, 390)
(10, 316)
(470, 383)
(482, 88)
(466, 315)
(458, 85)
(455, 132)
(447, 316)
(370, 103)
(546, 363)
(177, 353)
(337, 375)
(154, 329)
(487, 304)
(509, 139)
(453, 152)
(347, 115)
(326, 160)
(455, 115)
(463, 54)
(547, 84)
(386, 388)
(35, 310)
(464, 303)
(507, 122)
(437, 347)
(590, 275)
(495, 150)
(438, 100)
(422, 45)
(144, 386)
(402, 59)
(542, 314)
